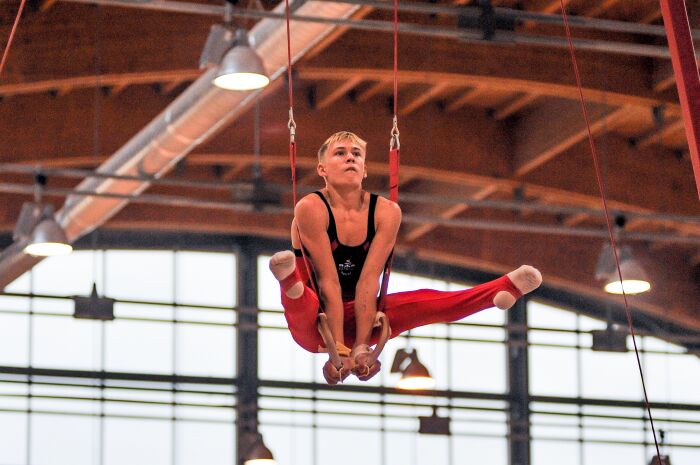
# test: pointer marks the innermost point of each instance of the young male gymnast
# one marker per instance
(348, 235)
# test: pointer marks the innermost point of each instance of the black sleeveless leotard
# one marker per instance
(349, 260)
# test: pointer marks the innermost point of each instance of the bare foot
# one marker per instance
(526, 278)
(282, 264)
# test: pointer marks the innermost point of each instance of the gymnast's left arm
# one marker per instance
(388, 220)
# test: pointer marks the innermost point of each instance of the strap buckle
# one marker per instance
(292, 125)
(394, 143)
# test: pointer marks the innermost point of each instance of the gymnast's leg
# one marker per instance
(299, 301)
(408, 310)
(301, 306)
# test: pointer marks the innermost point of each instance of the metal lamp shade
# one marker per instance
(634, 279)
(48, 239)
(416, 377)
(260, 455)
(241, 69)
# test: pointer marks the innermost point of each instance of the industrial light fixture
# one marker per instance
(414, 375)
(634, 278)
(611, 339)
(93, 307)
(38, 227)
(259, 454)
(48, 239)
(241, 68)
(434, 424)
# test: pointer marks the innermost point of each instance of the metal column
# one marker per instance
(685, 68)
(247, 351)
(518, 381)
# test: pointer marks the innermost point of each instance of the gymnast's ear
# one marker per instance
(321, 170)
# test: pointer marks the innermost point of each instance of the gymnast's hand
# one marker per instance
(331, 374)
(362, 369)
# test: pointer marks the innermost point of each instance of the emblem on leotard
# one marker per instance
(346, 268)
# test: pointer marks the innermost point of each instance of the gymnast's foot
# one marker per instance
(282, 265)
(526, 278)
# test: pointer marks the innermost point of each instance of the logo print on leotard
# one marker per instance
(346, 268)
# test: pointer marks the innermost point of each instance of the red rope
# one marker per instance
(396, 56)
(596, 164)
(292, 143)
(394, 156)
(12, 35)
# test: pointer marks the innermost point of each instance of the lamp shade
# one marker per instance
(416, 376)
(634, 279)
(241, 69)
(260, 454)
(48, 239)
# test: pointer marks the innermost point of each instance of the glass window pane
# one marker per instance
(268, 287)
(137, 442)
(71, 274)
(552, 452)
(65, 342)
(13, 431)
(281, 358)
(619, 454)
(200, 443)
(204, 350)
(205, 278)
(64, 439)
(14, 337)
(142, 347)
(139, 275)
(478, 367)
(553, 371)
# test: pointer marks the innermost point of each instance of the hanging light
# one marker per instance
(259, 454)
(241, 68)
(634, 278)
(414, 376)
(48, 239)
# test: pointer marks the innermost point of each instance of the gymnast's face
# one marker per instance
(343, 163)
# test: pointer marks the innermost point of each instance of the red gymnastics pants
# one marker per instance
(405, 310)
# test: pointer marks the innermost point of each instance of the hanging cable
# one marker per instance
(394, 155)
(607, 217)
(12, 36)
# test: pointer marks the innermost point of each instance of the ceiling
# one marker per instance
(496, 164)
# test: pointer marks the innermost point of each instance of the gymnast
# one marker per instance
(348, 235)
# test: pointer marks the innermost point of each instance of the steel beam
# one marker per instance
(247, 353)
(518, 385)
(685, 68)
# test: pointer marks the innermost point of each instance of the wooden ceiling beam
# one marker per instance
(515, 105)
(541, 136)
(663, 76)
(467, 98)
(374, 89)
(424, 98)
(115, 81)
(326, 99)
(657, 137)
(600, 8)
(631, 178)
(450, 212)
(652, 16)
(504, 83)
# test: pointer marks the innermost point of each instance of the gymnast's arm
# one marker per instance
(311, 217)
(388, 220)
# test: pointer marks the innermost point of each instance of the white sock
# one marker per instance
(282, 265)
(526, 278)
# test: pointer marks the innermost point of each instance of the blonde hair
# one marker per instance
(338, 136)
